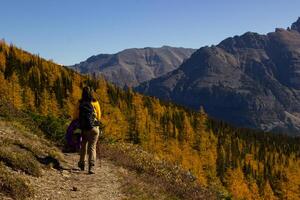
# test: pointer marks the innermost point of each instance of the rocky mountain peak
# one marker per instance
(251, 80)
(296, 25)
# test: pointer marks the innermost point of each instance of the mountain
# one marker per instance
(250, 80)
(133, 66)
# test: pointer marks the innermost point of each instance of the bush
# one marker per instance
(54, 128)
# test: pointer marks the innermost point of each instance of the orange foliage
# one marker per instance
(237, 184)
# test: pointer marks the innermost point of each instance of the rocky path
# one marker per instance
(72, 183)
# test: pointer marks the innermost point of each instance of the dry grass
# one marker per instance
(13, 184)
(160, 176)
(19, 160)
(136, 188)
(23, 154)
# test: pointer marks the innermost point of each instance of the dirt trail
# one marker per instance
(72, 183)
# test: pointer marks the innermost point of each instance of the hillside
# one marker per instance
(183, 152)
(31, 167)
(250, 80)
(133, 66)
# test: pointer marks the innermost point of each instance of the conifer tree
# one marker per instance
(15, 91)
(237, 184)
(2, 62)
(268, 192)
(28, 99)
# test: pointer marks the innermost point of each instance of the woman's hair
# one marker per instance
(87, 94)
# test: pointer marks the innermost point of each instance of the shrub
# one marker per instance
(54, 128)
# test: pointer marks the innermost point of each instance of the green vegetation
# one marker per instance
(52, 127)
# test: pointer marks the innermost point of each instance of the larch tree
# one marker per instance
(2, 62)
(4, 90)
(255, 195)
(268, 193)
(28, 99)
(237, 184)
(15, 91)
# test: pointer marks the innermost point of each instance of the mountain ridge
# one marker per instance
(130, 67)
(250, 80)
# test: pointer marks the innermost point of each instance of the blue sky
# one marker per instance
(69, 31)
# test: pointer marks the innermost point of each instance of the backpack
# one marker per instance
(73, 139)
(87, 116)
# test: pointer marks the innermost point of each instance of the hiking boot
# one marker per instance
(92, 169)
(81, 166)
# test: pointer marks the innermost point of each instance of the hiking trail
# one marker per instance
(71, 183)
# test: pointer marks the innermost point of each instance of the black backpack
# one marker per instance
(87, 116)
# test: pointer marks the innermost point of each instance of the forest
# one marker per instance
(245, 163)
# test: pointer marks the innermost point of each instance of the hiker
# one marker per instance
(89, 115)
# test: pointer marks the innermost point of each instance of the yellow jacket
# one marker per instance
(96, 107)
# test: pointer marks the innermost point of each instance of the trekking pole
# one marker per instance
(99, 154)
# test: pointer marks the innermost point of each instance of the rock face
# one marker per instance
(134, 66)
(250, 80)
(296, 26)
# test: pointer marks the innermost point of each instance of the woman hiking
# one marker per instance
(89, 115)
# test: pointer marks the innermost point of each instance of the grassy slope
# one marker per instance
(24, 153)
(153, 178)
